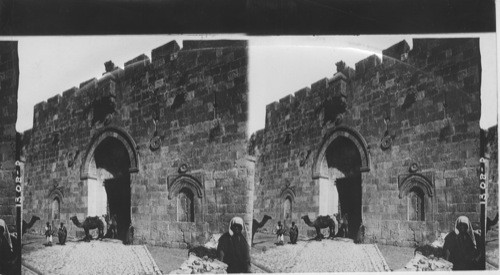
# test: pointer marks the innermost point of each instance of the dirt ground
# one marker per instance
(168, 259)
(396, 257)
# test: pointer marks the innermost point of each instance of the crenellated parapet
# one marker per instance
(326, 88)
(172, 76)
(437, 59)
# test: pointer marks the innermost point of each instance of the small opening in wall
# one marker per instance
(287, 211)
(179, 100)
(185, 205)
(56, 213)
(416, 204)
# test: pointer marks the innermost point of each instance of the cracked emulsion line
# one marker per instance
(156, 269)
(384, 262)
(141, 260)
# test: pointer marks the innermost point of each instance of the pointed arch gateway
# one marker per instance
(109, 132)
(109, 160)
(340, 160)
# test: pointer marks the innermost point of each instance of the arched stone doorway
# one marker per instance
(110, 159)
(337, 170)
(287, 198)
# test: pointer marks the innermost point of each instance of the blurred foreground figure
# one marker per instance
(6, 251)
(461, 246)
(233, 248)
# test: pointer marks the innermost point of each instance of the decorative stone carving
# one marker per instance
(424, 181)
(56, 191)
(387, 139)
(413, 168)
(386, 142)
(303, 156)
(192, 181)
(183, 168)
(288, 191)
(71, 158)
(155, 141)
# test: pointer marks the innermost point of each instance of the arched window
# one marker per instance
(56, 213)
(287, 209)
(185, 205)
(416, 204)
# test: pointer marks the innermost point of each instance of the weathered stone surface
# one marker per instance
(195, 265)
(9, 76)
(422, 263)
(176, 121)
(419, 111)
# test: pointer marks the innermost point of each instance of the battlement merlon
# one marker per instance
(272, 106)
(106, 84)
(337, 86)
(286, 101)
(302, 93)
(365, 65)
(398, 51)
(165, 51)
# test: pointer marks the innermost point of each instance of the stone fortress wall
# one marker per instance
(165, 137)
(9, 80)
(395, 144)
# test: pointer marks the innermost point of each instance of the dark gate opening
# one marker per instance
(118, 191)
(113, 164)
(350, 202)
(343, 155)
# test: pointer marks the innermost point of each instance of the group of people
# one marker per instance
(462, 246)
(62, 234)
(280, 232)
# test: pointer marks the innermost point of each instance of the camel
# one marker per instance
(320, 223)
(491, 222)
(27, 226)
(89, 224)
(256, 225)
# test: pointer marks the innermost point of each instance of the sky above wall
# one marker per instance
(278, 66)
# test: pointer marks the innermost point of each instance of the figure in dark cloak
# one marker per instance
(6, 252)
(294, 233)
(233, 248)
(462, 247)
(62, 233)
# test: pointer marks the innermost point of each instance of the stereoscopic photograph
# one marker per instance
(186, 154)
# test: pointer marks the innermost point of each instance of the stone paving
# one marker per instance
(325, 256)
(95, 257)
